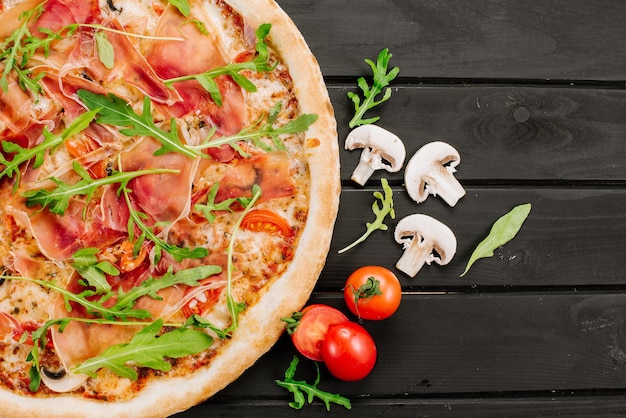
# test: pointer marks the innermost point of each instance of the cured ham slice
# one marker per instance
(270, 171)
(59, 13)
(58, 237)
(163, 197)
(196, 54)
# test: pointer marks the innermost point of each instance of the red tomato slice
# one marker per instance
(312, 327)
(261, 220)
(202, 302)
(372, 292)
(349, 351)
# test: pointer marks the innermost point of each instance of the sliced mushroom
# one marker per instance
(424, 239)
(57, 376)
(381, 150)
(431, 171)
(62, 380)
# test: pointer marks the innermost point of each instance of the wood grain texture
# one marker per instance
(485, 347)
(505, 132)
(532, 95)
(476, 39)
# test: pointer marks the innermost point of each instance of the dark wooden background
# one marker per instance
(532, 94)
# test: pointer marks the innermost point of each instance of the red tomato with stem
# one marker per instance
(349, 351)
(372, 292)
(311, 327)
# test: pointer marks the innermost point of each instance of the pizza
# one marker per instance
(169, 182)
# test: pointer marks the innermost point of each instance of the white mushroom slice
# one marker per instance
(431, 171)
(424, 240)
(62, 381)
(381, 150)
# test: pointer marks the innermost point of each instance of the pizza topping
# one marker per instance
(173, 59)
(57, 200)
(260, 220)
(38, 152)
(269, 171)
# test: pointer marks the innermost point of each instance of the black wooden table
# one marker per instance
(532, 94)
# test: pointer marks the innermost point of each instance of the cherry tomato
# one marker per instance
(259, 220)
(349, 351)
(372, 292)
(312, 327)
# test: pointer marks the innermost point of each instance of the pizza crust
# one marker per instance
(289, 293)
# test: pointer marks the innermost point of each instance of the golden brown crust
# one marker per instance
(260, 325)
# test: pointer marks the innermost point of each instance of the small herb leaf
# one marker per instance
(502, 231)
(93, 271)
(381, 213)
(381, 80)
(182, 5)
(106, 53)
(300, 388)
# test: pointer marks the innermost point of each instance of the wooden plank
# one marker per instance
(473, 39)
(462, 346)
(504, 132)
(572, 238)
(556, 406)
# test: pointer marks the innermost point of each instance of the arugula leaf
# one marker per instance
(136, 219)
(57, 200)
(300, 388)
(93, 306)
(116, 111)
(124, 307)
(12, 49)
(106, 53)
(182, 5)
(93, 271)
(147, 349)
(382, 78)
(190, 277)
(259, 130)
(210, 206)
(502, 231)
(12, 168)
(380, 211)
(200, 322)
(233, 307)
(260, 63)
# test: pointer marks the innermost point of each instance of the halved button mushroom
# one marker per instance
(431, 171)
(424, 240)
(381, 150)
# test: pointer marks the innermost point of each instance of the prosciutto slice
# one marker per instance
(163, 197)
(59, 13)
(196, 54)
(270, 171)
(58, 237)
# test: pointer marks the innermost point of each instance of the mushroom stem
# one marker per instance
(414, 257)
(447, 186)
(364, 169)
